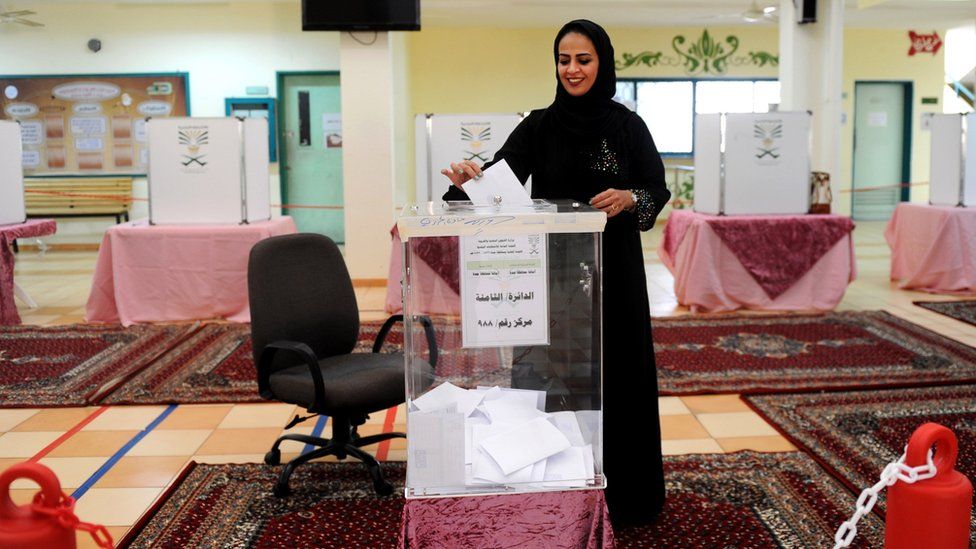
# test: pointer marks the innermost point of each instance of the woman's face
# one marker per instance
(577, 64)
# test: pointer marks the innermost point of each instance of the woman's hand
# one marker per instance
(462, 172)
(613, 201)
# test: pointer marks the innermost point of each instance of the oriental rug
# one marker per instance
(796, 353)
(746, 499)
(964, 311)
(216, 365)
(213, 365)
(855, 434)
(74, 365)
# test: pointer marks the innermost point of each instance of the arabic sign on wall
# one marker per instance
(92, 124)
(924, 43)
(504, 299)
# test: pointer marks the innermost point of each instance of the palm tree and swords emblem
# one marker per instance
(768, 132)
(193, 139)
(476, 136)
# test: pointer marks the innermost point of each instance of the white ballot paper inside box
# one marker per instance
(447, 394)
(498, 186)
(436, 447)
(524, 445)
(504, 290)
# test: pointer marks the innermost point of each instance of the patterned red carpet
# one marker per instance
(733, 353)
(215, 365)
(857, 433)
(775, 354)
(74, 365)
(736, 500)
(964, 311)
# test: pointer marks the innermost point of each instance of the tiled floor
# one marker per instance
(59, 281)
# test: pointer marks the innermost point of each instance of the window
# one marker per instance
(669, 106)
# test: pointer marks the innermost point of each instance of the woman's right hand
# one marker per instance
(462, 172)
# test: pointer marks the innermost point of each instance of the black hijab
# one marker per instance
(595, 113)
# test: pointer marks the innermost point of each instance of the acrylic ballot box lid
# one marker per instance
(512, 298)
(464, 218)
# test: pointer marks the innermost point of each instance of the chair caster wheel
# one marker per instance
(382, 488)
(273, 457)
(281, 490)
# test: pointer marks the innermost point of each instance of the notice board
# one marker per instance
(89, 124)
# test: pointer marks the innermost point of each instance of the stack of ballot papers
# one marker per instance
(493, 436)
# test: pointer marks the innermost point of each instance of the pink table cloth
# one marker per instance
(797, 262)
(9, 233)
(157, 273)
(933, 248)
(434, 287)
(546, 519)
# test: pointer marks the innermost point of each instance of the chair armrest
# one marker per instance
(303, 352)
(428, 330)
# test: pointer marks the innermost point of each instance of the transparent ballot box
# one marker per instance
(502, 342)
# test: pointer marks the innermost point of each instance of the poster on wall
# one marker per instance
(89, 124)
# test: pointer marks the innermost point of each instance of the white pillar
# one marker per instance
(811, 63)
(366, 82)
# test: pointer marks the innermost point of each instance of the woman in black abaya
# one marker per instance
(588, 148)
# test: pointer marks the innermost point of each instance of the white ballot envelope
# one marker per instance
(524, 445)
(498, 181)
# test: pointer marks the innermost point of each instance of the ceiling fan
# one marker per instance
(755, 14)
(752, 14)
(19, 17)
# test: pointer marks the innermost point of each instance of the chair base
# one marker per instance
(345, 442)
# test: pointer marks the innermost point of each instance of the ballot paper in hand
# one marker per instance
(497, 181)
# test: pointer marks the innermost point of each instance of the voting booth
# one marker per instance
(11, 175)
(444, 138)
(952, 175)
(752, 163)
(514, 400)
(208, 170)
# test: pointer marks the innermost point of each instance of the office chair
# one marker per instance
(304, 326)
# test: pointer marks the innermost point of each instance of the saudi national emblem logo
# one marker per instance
(476, 136)
(193, 140)
(768, 135)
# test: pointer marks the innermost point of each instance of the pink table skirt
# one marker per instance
(546, 519)
(933, 248)
(430, 289)
(9, 233)
(167, 273)
(710, 276)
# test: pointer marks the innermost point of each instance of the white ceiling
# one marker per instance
(921, 15)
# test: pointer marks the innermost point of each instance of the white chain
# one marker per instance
(893, 472)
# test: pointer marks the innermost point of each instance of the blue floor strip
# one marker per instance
(316, 432)
(80, 491)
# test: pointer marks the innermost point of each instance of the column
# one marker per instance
(811, 62)
(366, 82)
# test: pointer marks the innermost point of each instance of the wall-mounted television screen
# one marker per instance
(359, 15)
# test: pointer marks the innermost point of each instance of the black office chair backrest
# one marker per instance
(300, 290)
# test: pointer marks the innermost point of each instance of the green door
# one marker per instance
(881, 157)
(311, 152)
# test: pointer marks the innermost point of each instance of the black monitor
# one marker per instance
(360, 15)
(806, 11)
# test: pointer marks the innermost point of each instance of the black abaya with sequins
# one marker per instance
(567, 167)
(577, 148)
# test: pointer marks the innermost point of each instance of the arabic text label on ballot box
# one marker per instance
(514, 401)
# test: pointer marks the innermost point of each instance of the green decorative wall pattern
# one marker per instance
(703, 56)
